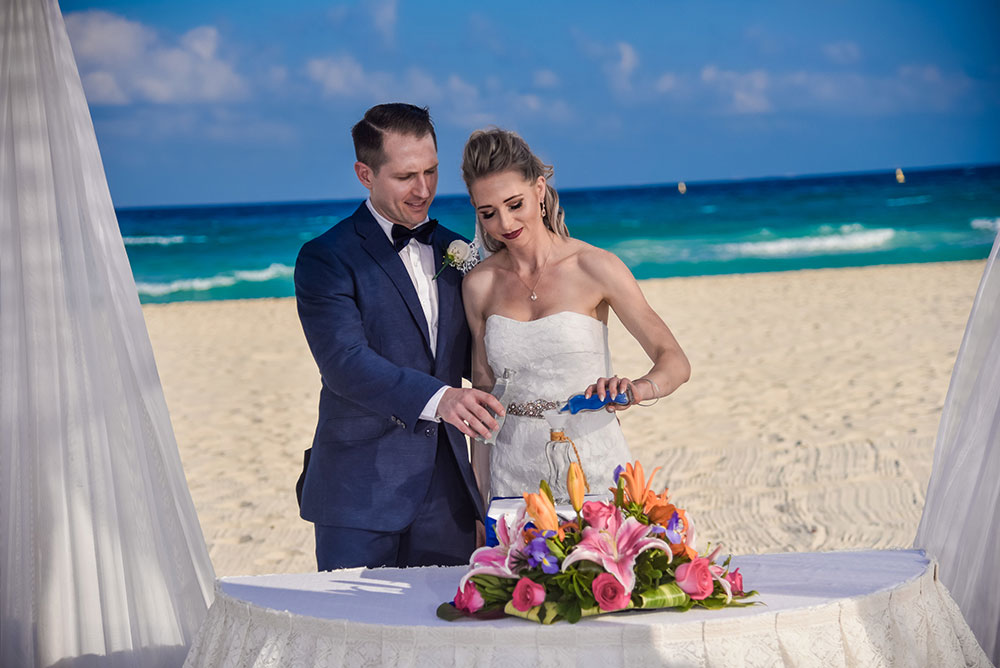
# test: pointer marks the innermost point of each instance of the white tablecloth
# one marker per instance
(872, 608)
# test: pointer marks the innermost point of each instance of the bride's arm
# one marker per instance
(670, 367)
(474, 288)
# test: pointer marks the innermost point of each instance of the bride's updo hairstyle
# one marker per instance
(492, 151)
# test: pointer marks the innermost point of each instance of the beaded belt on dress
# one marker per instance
(531, 408)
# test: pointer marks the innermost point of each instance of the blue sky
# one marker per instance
(245, 101)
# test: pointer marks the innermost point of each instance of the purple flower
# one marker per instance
(618, 471)
(539, 555)
(657, 529)
(672, 525)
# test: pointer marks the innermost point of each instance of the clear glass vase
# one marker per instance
(499, 391)
(559, 453)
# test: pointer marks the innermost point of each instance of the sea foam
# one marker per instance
(160, 241)
(834, 243)
(992, 224)
(219, 281)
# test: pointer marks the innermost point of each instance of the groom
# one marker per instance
(387, 481)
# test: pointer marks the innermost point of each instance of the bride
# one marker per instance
(538, 305)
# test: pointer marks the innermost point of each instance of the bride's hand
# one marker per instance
(613, 386)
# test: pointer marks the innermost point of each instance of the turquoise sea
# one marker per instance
(248, 250)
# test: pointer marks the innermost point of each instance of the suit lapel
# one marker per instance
(377, 245)
(449, 286)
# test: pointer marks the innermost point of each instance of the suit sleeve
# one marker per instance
(325, 292)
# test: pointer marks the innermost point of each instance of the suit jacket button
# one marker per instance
(429, 431)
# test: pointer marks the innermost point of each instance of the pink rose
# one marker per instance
(598, 513)
(695, 578)
(468, 599)
(528, 594)
(735, 582)
(609, 592)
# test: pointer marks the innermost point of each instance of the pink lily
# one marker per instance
(718, 574)
(616, 548)
(497, 560)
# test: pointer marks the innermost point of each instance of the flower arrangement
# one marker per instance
(635, 551)
(460, 254)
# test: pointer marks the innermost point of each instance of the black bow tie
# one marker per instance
(401, 234)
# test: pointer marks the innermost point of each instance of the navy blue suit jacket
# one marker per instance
(372, 458)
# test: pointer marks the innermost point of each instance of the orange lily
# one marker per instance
(576, 483)
(543, 513)
(662, 513)
(637, 488)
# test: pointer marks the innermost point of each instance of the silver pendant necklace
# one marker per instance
(533, 296)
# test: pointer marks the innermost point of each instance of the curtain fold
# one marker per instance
(102, 554)
(960, 526)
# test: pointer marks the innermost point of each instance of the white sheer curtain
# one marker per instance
(960, 525)
(102, 559)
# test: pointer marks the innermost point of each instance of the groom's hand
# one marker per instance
(466, 408)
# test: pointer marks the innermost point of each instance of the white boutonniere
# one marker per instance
(461, 255)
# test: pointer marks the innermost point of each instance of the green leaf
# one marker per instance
(712, 603)
(668, 595)
(450, 613)
(544, 486)
(555, 548)
(571, 611)
(546, 613)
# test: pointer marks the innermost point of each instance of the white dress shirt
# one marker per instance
(418, 259)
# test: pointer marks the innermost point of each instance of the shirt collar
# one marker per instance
(384, 222)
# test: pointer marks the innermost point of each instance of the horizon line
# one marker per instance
(637, 186)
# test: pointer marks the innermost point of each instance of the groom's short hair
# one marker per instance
(399, 117)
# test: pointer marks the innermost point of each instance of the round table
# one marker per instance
(865, 608)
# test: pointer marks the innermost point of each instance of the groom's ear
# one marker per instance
(365, 174)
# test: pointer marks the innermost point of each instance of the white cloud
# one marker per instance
(202, 41)
(338, 75)
(460, 102)
(384, 17)
(103, 38)
(620, 70)
(746, 92)
(546, 79)
(618, 62)
(123, 61)
(666, 83)
(343, 76)
(629, 58)
(912, 88)
(102, 88)
(842, 53)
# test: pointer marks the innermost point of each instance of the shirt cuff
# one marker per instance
(431, 409)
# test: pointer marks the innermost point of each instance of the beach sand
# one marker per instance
(808, 422)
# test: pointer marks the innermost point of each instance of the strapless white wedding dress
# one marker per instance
(555, 357)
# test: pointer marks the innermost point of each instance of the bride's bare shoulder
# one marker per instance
(481, 276)
(593, 259)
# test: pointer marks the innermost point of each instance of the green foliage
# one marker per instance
(650, 568)
(494, 590)
(667, 595)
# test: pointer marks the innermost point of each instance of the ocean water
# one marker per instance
(243, 251)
